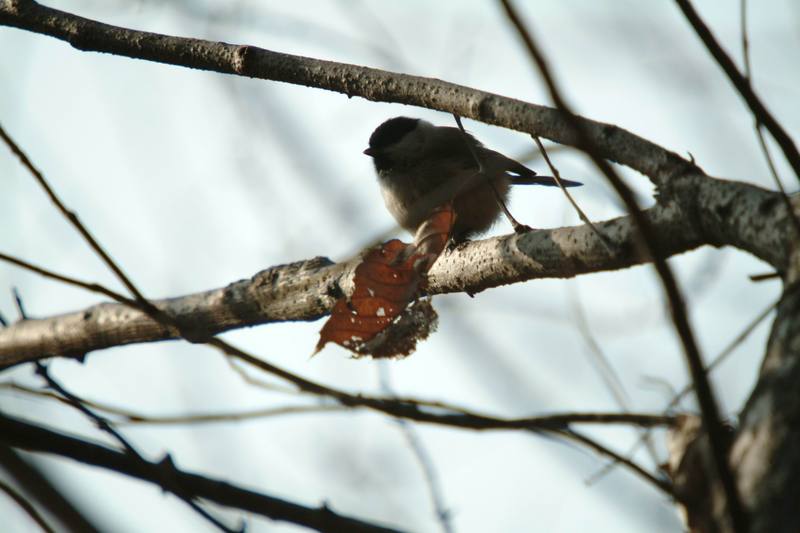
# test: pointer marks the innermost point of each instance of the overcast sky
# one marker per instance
(193, 180)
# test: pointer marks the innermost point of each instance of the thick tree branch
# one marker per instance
(767, 447)
(705, 211)
(20, 434)
(692, 211)
(613, 142)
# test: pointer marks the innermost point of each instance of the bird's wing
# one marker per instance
(519, 173)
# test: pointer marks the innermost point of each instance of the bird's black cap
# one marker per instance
(391, 131)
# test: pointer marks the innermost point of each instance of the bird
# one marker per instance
(421, 166)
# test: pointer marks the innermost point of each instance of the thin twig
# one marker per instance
(399, 408)
(106, 426)
(705, 394)
(255, 382)
(581, 214)
(26, 506)
(745, 41)
(729, 349)
(748, 76)
(18, 304)
(514, 223)
(715, 362)
(421, 454)
(129, 417)
(742, 86)
(36, 438)
(764, 277)
(664, 485)
(603, 365)
(71, 216)
(30, 478)
(92, 287)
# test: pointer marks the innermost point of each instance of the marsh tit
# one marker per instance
(421, 166)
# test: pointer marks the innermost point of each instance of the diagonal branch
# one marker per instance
(20, 434)
(34, 482)
(743, 86)
(613, 142)
(705, 394)
(26, 506)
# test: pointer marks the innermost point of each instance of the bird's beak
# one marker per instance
(370, 152)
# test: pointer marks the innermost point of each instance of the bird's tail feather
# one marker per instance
(543, 180)
(522, 175)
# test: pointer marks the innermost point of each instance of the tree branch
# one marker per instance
(706, 211)
(20, 434)
(615, 143)
(742, 85)
(28, 477)
(26, 506)
(766, 447)
(692, 211)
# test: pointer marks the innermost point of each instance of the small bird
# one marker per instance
(421, 166)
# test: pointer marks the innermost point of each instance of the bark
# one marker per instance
(766, 452)
(704, 211)
(691, 210)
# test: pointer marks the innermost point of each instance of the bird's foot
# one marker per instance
(457, 243)
(519, 229)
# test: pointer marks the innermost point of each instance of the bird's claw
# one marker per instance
(522, 228)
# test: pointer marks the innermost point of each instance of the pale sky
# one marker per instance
(193, 180)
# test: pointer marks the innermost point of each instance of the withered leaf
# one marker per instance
(377, 319)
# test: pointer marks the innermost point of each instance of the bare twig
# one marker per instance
(106, 426)
(748, 76)
(422, 456)
(26, 506)
(70, 216)
(514, 223)
(256, 382)
(128, 416)
(745, 41)
(352, 80)
(764, 277)
(705, 394)
(581, 214)
(92, 287)
(729, 349)
(606, 371)
(664, 485)
(36, 438)
(742, 85)
(34, 482)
